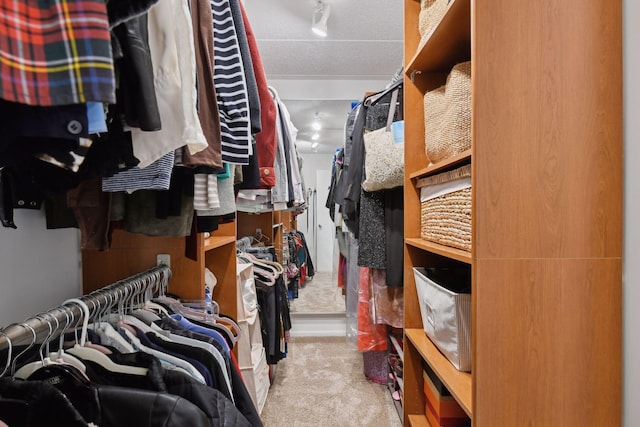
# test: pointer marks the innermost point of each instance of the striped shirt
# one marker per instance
(55, 52)
(205, 192)
(231, 87)
(156, 176)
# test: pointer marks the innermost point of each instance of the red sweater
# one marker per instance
(266, 140)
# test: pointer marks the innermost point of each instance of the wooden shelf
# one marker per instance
(448, 44)
(214, 242)
(457, 382)
(456, 160)
(446, 251)
(418, 421)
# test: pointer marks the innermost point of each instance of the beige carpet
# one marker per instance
(319, 295)
(321, 383)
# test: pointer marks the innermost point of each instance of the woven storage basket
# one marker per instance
(445, 216)
(447, 115)
(431, 13)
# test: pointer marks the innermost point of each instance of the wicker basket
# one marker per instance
(447, 115)
(445, 214)
(431, 13)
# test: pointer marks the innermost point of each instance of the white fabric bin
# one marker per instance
(446, 319)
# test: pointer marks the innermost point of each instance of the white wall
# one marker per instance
(39, 268)
(631, 269)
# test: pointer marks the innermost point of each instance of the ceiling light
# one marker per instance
(316, 125)
(319, 20)
(315, 145)
(315, 136)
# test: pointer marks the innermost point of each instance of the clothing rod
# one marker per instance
(116, 295)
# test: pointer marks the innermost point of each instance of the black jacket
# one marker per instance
(74, 403)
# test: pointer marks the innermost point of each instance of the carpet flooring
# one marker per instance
(321, 383)
(321, 294)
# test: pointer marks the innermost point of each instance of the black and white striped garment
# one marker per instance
(231, 87)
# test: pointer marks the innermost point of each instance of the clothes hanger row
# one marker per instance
(130, 293)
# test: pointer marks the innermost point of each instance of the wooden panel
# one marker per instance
(133, 253)
(453, 253)
(413, 257)
(458, 383)
(226, 229)
(247, 223)
(444, 165)
(217, 241)
(418, 421)
(415, 158)
(411, 33)
(548, 342)
(222, 263)
(282, 223)
(413, 402)
(547, 122)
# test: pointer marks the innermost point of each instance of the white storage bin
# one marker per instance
(256, 379)
(250, 343)
(446, 319)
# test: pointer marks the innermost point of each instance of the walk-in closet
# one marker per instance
(417, 213)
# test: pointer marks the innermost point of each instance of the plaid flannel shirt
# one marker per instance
(55, 52)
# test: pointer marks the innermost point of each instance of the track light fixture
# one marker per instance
(320, 17)
(315, 145)
(315, 136)
(316, 124)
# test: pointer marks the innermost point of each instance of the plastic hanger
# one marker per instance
(93, 355)
(61, 356)
(373, 99)
(31, 344)
(9, 350)
(105, 329)
(26, 370)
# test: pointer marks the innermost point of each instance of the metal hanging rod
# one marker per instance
(122, 294)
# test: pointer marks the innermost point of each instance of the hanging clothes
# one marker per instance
(154, 363)
(173, 56)
(230, 83)
(266, 142)
(56, 53)
(273, 303)
(208, 112)
(253, 98)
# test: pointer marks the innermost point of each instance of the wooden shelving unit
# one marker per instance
(132, 253)
(449, 43)
(450, 163)
(436, 248)
(272, 224)
(458, 383)
(546, 256)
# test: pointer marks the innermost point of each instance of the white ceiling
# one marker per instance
(362, 52)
